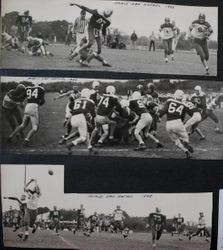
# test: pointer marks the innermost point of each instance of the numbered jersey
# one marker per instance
(55, 215)
(35, 95)
(82, 106)
(138, 107)
(98, 22)
(118, 215)
(191, 108)
(93, 218)
(178, 221)
(107, 105)
(24, 20)
(167, 31)
(157, 221)
(174, 110)
(199, 101)
(198, 29)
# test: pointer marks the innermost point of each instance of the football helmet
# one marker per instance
(85, 93)
(95, 84)
(179, 94)
(136, 95)
(110, 90)
(202, 17)
(107, 12)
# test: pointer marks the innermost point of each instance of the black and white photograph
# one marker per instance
(37, 213)
(220, 221)
(175, 119)
(111, 36)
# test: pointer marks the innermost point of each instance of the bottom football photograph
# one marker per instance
(38, 214)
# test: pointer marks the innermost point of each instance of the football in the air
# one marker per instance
(50, 172)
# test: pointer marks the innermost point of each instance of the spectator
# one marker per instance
(134, 38)
(152, 40)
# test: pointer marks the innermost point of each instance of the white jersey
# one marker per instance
(118, 215)
(32, 202)
(201, 223)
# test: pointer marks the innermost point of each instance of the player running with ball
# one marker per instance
(200, 31)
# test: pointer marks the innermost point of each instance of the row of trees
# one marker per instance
(58, 29)
(165, 86)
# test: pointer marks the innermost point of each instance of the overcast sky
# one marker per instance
(52, 188)
(143, 18)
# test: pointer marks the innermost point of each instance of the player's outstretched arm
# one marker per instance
(93, 12)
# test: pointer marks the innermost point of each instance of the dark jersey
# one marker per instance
(138, 107)
(107, 104)
(55, 215)
(95, 97)
(178, 221)
(97, 21)
(24, 20)
(93, 219)
(82, 106)
(191, 108)
(35, 95)
(199, 101)
(174, 110)
(152, 107)
(157, 221)
(168, 30)
(80, 213)
(16, 96)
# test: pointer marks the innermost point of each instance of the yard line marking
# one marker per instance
(67, 242)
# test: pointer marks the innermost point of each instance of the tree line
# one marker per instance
(58, 28)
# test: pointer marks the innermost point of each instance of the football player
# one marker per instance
(37, 47)
(145, 121)
(72, 95)
(24, 215)
(178, 223)
(35, 98)
(201, 227)
(81, 217)
(167, 34)
(175, 111)
(55, 216)
(33, 195)
(200, 31)
(98, 24)
(94, 92)
(118, 220)
(79, 109)
(10, 106)
(106, 106)
(24, 23)
(9, 42)
(93, 223)
(157, 223)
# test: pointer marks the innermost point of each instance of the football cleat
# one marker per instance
(26, 237)
(207, 71)
(188, 146)
(106, 64)
(99, 144)
(188, 155)
(84, 64)
(141, 147)
(26, 143)
(69, 147)
(159, 145)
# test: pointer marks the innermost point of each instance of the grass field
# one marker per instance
(51, 129)
(137, 61)
(101, 241)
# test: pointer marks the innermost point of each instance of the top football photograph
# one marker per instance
(109, 36)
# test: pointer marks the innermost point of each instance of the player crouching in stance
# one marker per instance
(167, 34)
(157, 223)
(37, 47)
(103, 123)
(35, 98)
(32, 202)
(175, 111)
(80, 108)
(98, 24)
(145, 119)
(200, 31)
(201, 228)
(24, 216)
